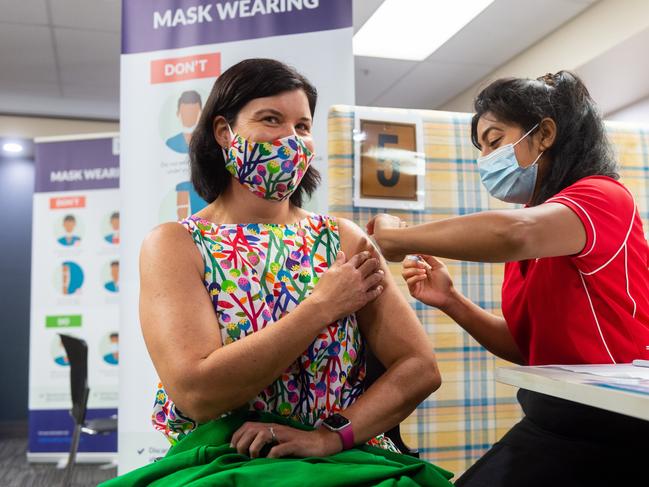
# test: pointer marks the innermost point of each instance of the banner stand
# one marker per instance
(74, 290)
(172, 53)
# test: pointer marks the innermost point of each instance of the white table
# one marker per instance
(603, 386)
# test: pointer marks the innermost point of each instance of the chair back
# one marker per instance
(77, 351)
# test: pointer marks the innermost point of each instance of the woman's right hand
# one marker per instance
(348, 285)
(428, 281)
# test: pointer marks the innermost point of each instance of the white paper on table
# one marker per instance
(619, 371)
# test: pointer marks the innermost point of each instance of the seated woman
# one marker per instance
(257, 313)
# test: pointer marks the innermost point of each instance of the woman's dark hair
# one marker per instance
(581, 147)
(243, 82)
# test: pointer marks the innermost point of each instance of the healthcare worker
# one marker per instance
(576, 284)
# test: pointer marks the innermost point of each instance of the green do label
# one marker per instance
(65, 321)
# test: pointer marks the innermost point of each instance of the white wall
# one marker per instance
(576, 43)
(636, 113)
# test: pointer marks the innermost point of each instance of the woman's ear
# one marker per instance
(548, 133)
(221, 131)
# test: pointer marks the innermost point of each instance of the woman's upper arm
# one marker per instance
(176, 314)
(552, 230)
(388, 323)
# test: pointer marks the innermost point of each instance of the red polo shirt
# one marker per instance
(590, 308)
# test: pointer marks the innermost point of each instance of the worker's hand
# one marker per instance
(428, 280)
(377, 227)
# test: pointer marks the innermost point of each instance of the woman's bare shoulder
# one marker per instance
(352, 238)
(169, 242)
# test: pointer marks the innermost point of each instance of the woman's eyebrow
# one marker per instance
(277, 113)
(269, 111)
(484, 134)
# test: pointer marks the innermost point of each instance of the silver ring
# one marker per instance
(272, 432)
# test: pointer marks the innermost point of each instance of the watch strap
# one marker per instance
(347, 436)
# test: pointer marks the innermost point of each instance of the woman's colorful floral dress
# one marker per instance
(256, 274)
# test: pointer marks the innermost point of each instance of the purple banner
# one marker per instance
(76, 165)
(153, 25)
(50, 431)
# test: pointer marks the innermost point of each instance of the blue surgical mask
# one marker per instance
(504, 177)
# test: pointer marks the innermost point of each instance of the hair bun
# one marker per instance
(549, 79)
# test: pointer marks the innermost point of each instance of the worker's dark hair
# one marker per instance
(581, 147)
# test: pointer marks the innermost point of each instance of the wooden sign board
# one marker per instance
(389, 161)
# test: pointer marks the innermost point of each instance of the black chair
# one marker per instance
(77, 352)
(374, 369)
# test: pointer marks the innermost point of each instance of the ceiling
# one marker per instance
(61, 57)
(501, 31)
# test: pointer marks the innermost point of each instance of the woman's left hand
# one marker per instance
(253, 436)
(377, 225)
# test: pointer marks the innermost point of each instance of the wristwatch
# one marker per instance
(341, 425)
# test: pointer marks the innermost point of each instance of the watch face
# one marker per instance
(336, 421)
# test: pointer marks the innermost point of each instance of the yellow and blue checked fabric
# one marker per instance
(471, 411)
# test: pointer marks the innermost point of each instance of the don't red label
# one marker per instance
(67, 202)
(185, 68)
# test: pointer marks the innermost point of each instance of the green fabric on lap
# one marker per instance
(205, 458)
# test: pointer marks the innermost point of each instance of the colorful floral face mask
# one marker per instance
(271, 170)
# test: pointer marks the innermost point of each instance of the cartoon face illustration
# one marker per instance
(111, 354)
(188, 201)
(69, 222)
(188, 112)
(69, 238)
(113, 284)
(114, 271)
(71, 277)
(114, 221)
(58, 352)
(113, 237)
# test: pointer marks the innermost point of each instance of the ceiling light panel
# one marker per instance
(12, 147)
(414, 29)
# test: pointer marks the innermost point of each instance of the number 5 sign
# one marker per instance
(389, 160)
